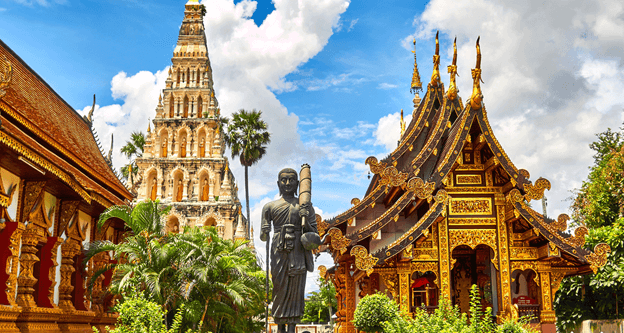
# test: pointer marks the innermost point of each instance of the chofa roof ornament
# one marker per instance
(477, 96)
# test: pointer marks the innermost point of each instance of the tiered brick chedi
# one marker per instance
(54, 183)
(183, 163)
(448, 209)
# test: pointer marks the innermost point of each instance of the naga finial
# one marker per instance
(477, 96)
(435, 76)
(402, 124)
(452, 69)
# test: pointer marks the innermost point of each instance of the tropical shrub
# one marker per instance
(445, 319)
(372, 311)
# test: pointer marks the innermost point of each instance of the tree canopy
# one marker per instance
(599, 205)
(217, 282)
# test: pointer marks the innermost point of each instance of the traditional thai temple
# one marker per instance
(448, 209)
(183, 163)
(54, 183)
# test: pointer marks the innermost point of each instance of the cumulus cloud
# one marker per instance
(553, 77)
(388, 131)
(139, 96)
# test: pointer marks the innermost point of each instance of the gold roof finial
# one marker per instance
(452, 69)
(477, 96)
(435, 76)
(416, 84)
(149, 126)
(402, 124)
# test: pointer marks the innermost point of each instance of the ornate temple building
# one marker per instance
(54, 183)
(448, 209)
(183, 163)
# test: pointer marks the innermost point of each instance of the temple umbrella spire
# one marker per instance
(452, 69)
(416, 84)
(477, 96)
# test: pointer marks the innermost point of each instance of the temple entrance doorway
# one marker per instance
(424, 291)
(473, 266)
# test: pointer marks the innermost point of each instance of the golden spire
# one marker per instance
(402, 124)
(477, 96)
(435, 76)
(149, 126)
(416, 84)
(452, 69)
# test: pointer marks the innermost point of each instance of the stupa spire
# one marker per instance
(416, 84)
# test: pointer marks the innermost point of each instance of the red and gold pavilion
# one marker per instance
(54, 183)
(448, 209)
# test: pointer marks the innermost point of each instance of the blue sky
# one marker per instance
(331, 76)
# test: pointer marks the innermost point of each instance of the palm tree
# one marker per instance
(247, 137)
(133, 149)
(218, 281)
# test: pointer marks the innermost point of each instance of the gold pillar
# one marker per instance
(350, 288)
(404, 286)
(69, 250)
(445, 272)
(13, 262)
(547, 313)
(26, 280)
(503, 255)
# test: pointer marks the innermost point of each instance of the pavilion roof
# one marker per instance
(39, 119)
(416, 172)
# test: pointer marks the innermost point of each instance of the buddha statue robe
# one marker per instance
(180, 191)
(205, 191)
(154, 189)
(183, 148)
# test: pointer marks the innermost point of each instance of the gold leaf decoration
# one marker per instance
(363, 260)
(579, 237)
(393, 177)
(562, 222)
(338, 241)
(355, 201)
(375, 166)
(599, 257)
(322, 271)
(321, 225)
(536, 192)
(6, 73)
(420, 188)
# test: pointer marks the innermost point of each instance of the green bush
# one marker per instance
(138, 315)
(376, 313)
(372, 311)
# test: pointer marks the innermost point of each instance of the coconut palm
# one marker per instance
(247, 137)
(132, 149)
(217, 281)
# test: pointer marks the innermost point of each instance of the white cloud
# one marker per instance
(249, 63)
(139, 94)
(388, 130)
(385, 86)
(45, 3)
(553, 77)
(352, 24)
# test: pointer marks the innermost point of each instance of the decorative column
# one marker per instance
(503, 255)
(26, 281)
(10, 237)
(404, 286)
(547, 315)
(185, 187)
(445, 273)
(350, 288)
(69, 250)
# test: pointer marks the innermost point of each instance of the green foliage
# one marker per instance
(372, 311)
(445, 319)
(247, 137)
(138, 315)
(594, 296)
(132, 149)
(319, 304)
(599, 204)
(214, 284)
(600, 201)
